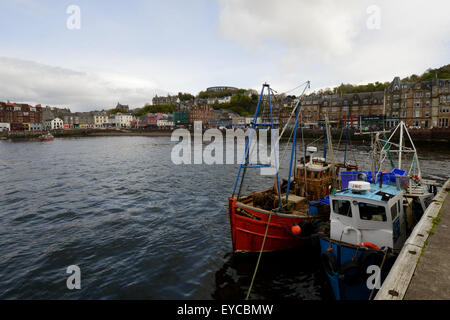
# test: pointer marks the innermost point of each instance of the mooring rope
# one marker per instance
(259, 258)
(381, 268)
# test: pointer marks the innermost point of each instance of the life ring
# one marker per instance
(369, 245)
(329, 263)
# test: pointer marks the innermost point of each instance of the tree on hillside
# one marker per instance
(185, 96)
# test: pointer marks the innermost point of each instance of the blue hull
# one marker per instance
(355, 288)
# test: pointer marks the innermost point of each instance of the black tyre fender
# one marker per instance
(307, 227)
(368, 258)
(351, 271)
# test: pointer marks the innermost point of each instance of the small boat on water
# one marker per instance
(371, 219)
(46, 137)
(285, 215)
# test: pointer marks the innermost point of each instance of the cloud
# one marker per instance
(32, 82)
(330, 41)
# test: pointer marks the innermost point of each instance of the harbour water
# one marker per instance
(139, 226)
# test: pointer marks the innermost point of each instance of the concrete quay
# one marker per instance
(422, 269)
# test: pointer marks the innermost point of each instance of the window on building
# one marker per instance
(372, 212)
(342, 207)
(417, 113)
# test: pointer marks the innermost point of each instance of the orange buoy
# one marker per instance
(296, 230)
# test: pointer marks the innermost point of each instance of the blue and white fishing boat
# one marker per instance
(371, 219)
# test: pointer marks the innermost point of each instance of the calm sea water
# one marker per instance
(139, 226)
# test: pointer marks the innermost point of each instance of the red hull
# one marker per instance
(46, 139)
(248, 227)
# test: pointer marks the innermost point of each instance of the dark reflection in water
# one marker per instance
(294, 274)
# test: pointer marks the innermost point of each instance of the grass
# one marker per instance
(436, 220)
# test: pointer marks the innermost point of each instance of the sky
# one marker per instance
(128, 51)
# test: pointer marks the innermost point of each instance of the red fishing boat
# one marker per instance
(256, 217)
(46, 137)
(286, 215)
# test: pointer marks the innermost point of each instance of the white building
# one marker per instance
(36, 126)
(5, 126)
(164, 123)
(219, 100)
(224, 99)
(54, 124)
(249, 120)
(122, 120)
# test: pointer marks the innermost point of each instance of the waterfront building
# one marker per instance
(266, 116)
(54, 124)
(150, 120)
(20, 116)
(341, 109)
(181, 116)
(203, 113)
(237, 122)
(122, 120)
(101, 120)
(222, 118)
(86, 121)
(5, 126)
(33, 127)
(420, 104)
(164, 123)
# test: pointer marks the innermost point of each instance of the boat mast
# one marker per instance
(400, 146)
(293, 151)
(294, 143)
(329, 139)
(346, 137)
(244, 163)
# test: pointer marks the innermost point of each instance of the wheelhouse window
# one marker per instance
(342, 207)
(371, 212)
